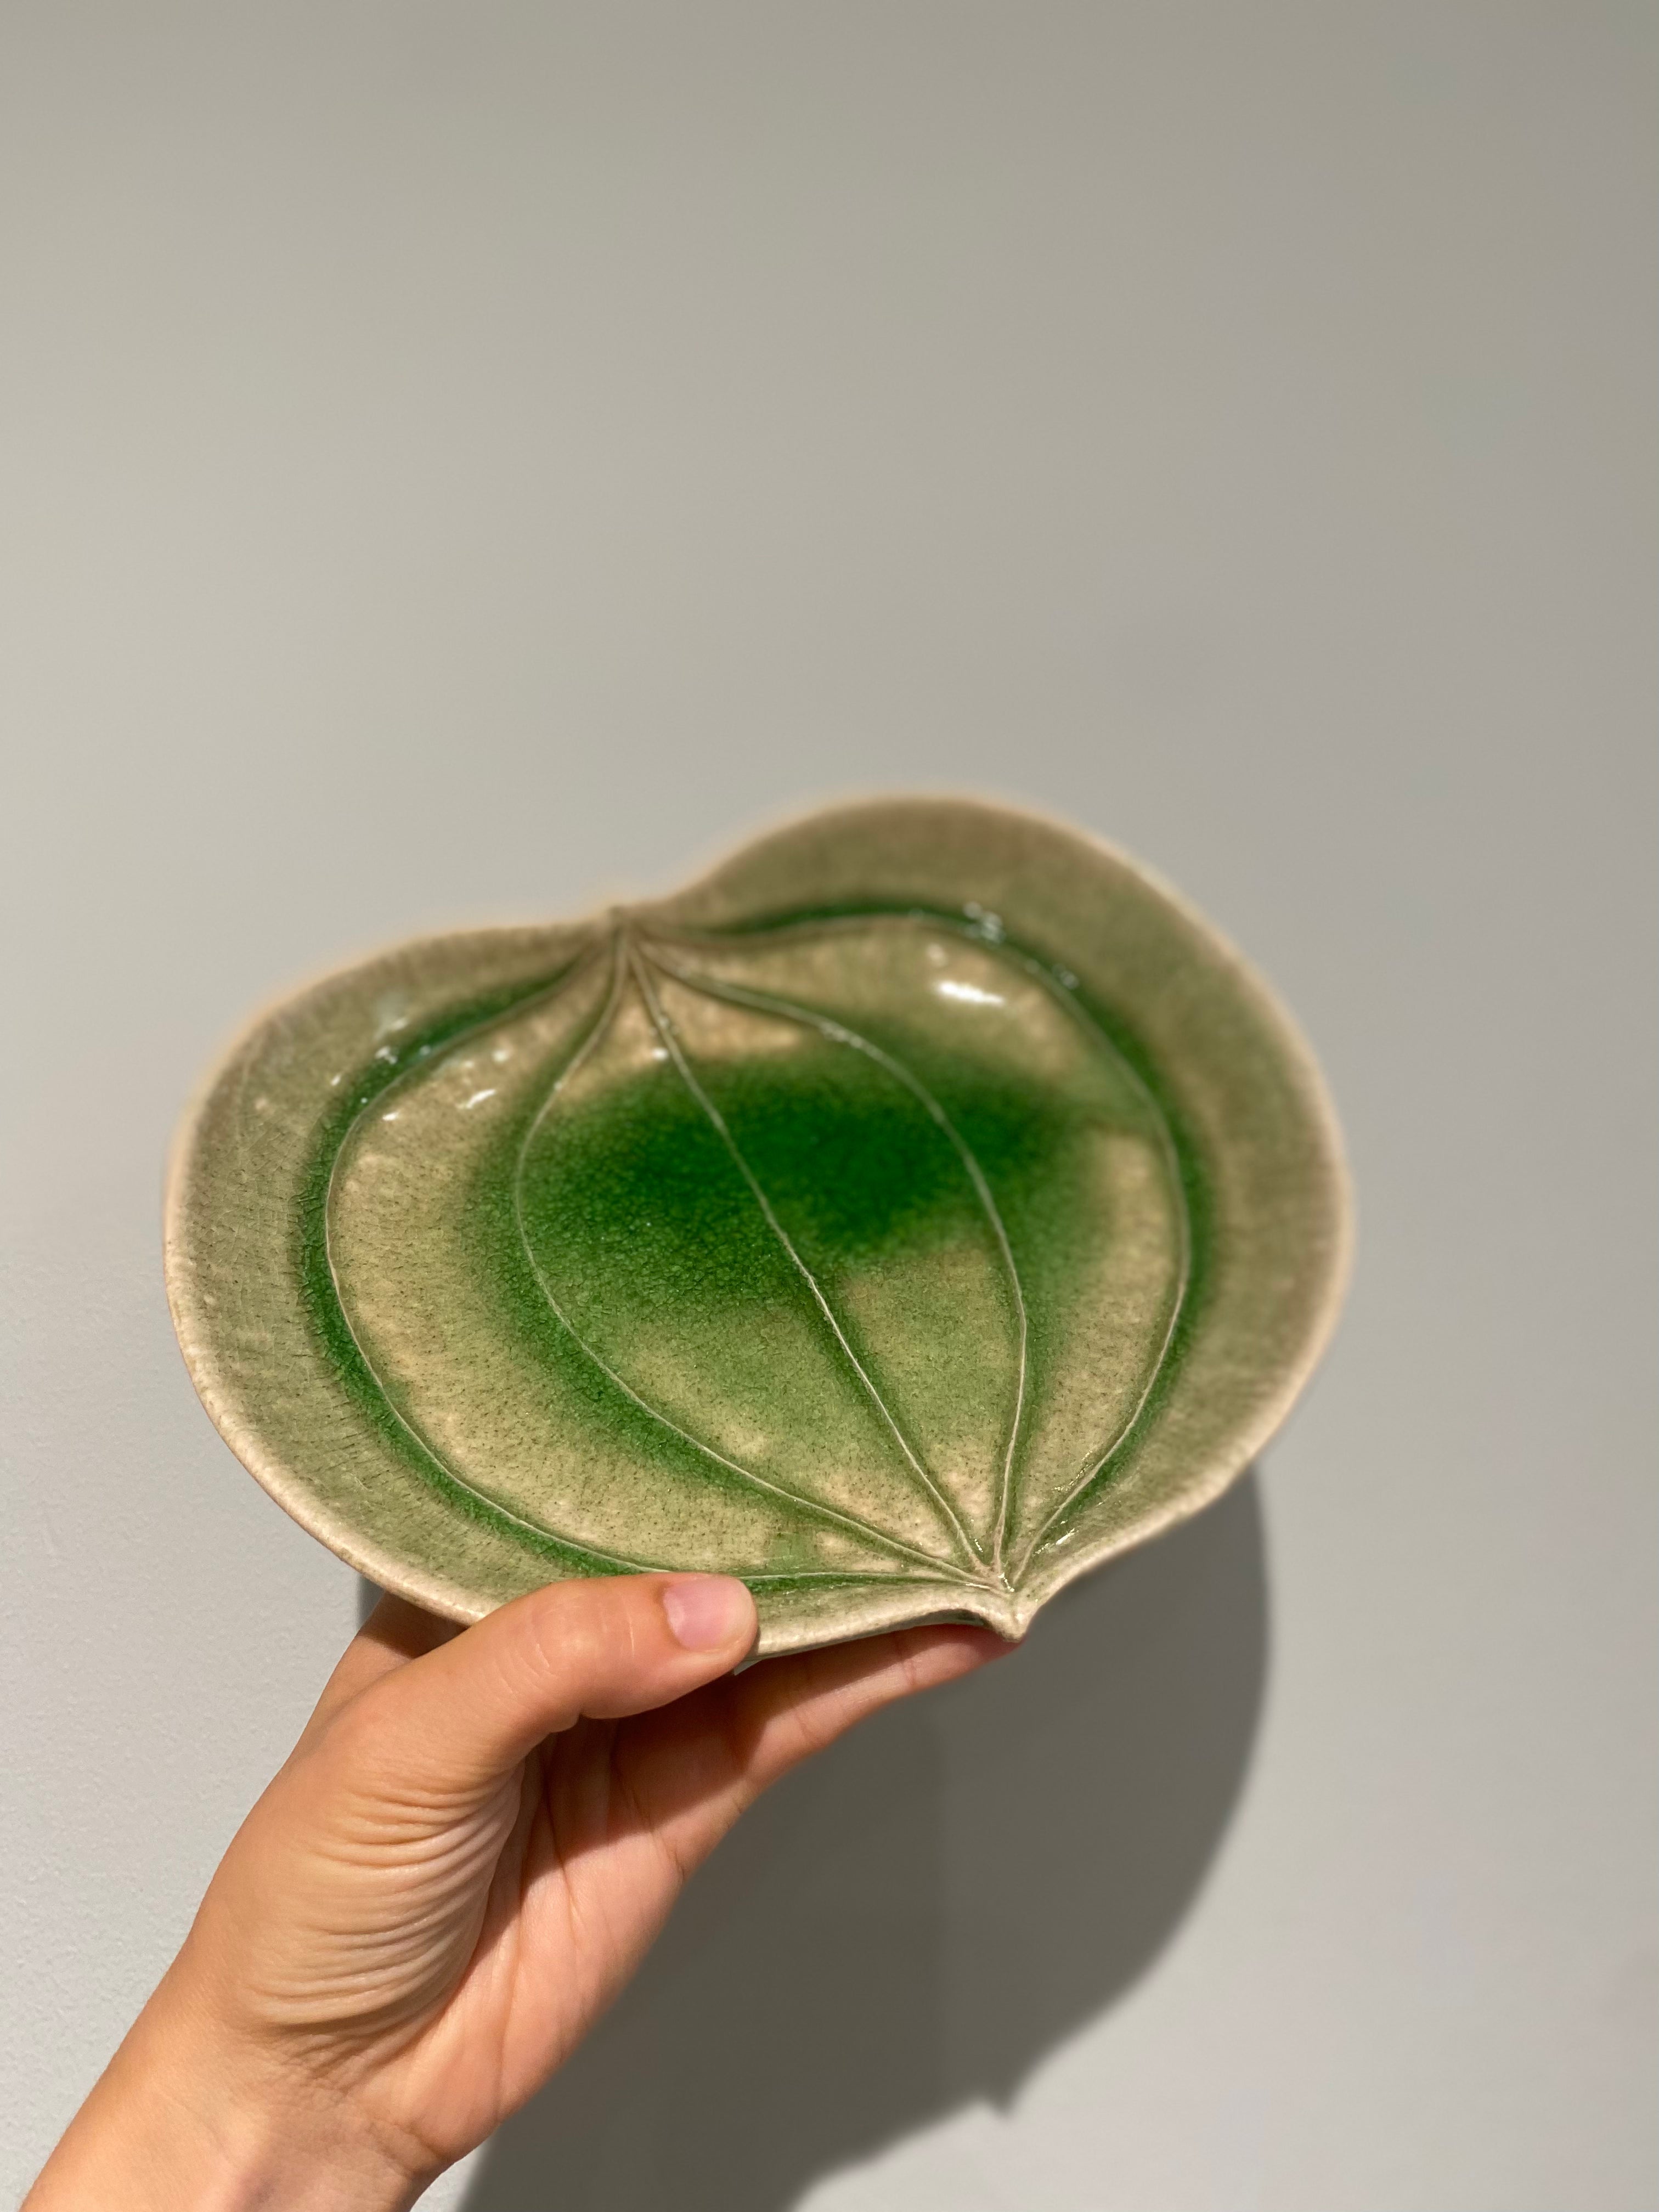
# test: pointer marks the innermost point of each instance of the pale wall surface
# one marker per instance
(470, 461)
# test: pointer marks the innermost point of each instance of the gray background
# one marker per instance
(475, 461)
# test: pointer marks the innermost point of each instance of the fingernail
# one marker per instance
(705, 1611)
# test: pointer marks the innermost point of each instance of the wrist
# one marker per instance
(185, 2118)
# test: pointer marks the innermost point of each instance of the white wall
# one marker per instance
(470, 461)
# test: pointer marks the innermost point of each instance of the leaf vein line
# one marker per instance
(851, 1523)
(838, 1033)
(422, 1444)
(664, 1030)
(1183, 1279)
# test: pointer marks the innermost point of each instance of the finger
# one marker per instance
(695, 1770)
(394, 1633)
(465, 1713)
(786, 1710)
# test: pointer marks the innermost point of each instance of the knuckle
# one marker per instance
(588, 1638)
(352, 1743)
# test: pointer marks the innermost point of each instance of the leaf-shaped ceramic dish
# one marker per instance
(921, 1208)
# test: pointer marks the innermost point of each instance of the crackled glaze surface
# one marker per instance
(890, 1248)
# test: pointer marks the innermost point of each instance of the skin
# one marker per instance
(467, 1854)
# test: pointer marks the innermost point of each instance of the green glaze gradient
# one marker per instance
(852, 1161)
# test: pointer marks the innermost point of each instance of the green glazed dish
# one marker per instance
(919, 1210)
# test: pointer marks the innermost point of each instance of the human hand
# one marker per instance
(472, 1844)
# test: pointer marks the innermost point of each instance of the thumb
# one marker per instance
(461, 1717)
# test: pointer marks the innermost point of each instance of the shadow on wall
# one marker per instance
(908, 1925)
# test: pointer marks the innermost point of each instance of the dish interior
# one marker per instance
(848, 1248)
